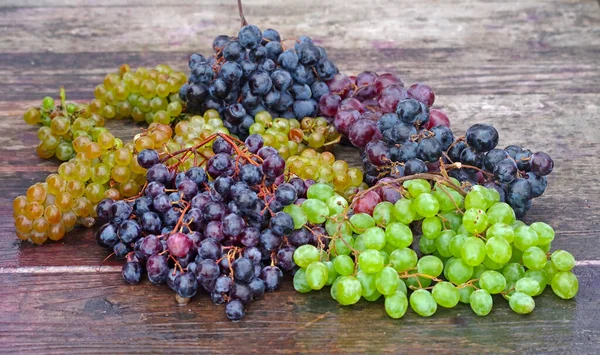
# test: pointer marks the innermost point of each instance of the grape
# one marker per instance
(398, 235)
(374, 238)
(528, 286)
(525, 237)
(498, 250)
(534, 258)
(458, 271)
(565, 285)
(316, 275)
(423, 303)
(475, 220)
(300, 283)
(445, 294)
(387, 281)
(316, 210)
(349, 290)
(481, 302)
(492, 281)
(403, 259)
(473, 251)
(430, 265)
(305, 255)
(563, 260)
(426, 205)
(521, 303)
(396, 304)
(370, 261)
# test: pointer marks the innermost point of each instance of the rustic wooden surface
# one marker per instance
(531, 68)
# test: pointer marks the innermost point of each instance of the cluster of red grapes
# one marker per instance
(222, 229)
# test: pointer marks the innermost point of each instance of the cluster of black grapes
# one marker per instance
(406, 148)
(227, 235)
(255, 72)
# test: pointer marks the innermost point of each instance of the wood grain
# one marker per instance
(528, 67)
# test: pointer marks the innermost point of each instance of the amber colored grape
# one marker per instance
(56, 232)
(23, 224)
(52, 214)
(19, 204)
(64, 201)
(34, 210)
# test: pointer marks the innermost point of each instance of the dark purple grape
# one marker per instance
(541, 164)
(523, 159)
(233, 225)
(506, 170)
(161, 203)
(217, 298)
(186, 285)
(300, 187)
(197, 175)
(286, 194)
(240, 292)
(412, 111)
(159, 173)
(512, 150)
(107, 236)
(443, 134)
(470, 156)
(129, 231)
(119, 211)
(251, 174)
(270, 240)
(149, 246)
(285, 257)
(250, 36)
(518, 193)
(257, 288)
(234, 310)
(300, 237)
(282, 224)
(414, 166)
(207, 270)
(223, 284)
(538, 184)
(132, 272)
(273, 166)
(210, 249)
(272, 277)
(214, 211)
(218, 164)
(429, 150)
(147, 158)
(157, 267)
(254, 142)
(456, 150)
(482, 137)
(171, 276)
(243, 269)
(492, 158)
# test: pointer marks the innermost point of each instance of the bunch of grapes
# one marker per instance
(60, 125)
(258, 71)
(229, 229)
(471, 246)
(150, 95)
(357, 104)
(517, 174)
(290, 136)
(324, 168)
(105, 168)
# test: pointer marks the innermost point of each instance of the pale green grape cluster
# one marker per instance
(150, 95)
(471, 247)
(61, 124)
(324, 168)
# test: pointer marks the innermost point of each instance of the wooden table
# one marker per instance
(531, 68)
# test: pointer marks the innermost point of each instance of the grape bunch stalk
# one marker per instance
(471, 247)
(223, 229)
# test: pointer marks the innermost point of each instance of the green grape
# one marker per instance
(417, 187)
(442, 243)
(518, 224)
(360, 222)
(48, 103)
(491, 264)
(445, 294)
(431, 227)
(349, 290)
(493, 195)
(368, 285)
(336, 204)
(402, 287)
(540, 276)
(478, 198)
(565, 284)
(387, 280)
(477, 271)
(498, 250)
(464, 294)
(422, 302)
(521, 303)
(316, 210)
(492, 281)
(426, 205)
(528, 286)
(343, 265)
(370, 261)
(534, 258)
(32, 116)
(525, 237)
(300, 283)
(336, 228)
(545, 247)
(427, 246)
(316, 275)
(398, 235)
(481, 302)
(396, 305)
(341, 245)
(374, 238)
(320, 191)
(383, 213)
(333, 289)
(516, 255)
(386, 257)
(501, 230)
(473, 251)
(501, 212)
(545, 232)
(563, 260)
(331, 273)
(359, 243)
(550, 270)
(64, 151)
(456, 244)
(430, 265)
(448, 198)
(297, 214)
(475, 220)
(403, 211)
(403, 259)
(459, 272)
(451, 220)
(305, 255)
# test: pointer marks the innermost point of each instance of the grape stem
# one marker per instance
(241, 10)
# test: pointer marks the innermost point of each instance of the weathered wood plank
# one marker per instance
(97, 312)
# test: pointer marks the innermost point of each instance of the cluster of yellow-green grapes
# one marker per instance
(150, 95)
(290, 136)
(101, 168)
(61, 125)
(322, 167)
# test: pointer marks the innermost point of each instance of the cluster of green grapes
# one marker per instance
(60, 125)
(103, 167)
(472, 247)
(322, 167)
(150, 95)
